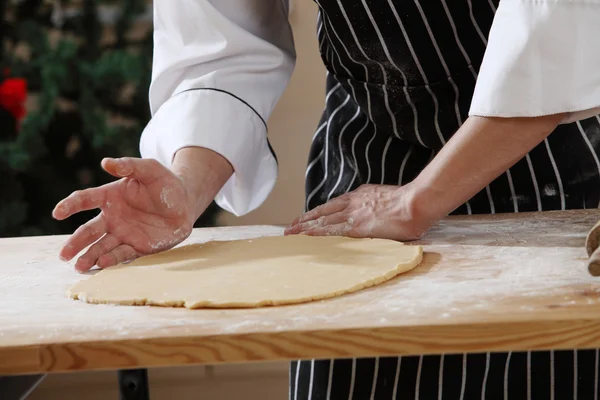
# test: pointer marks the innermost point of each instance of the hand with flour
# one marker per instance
(148, 210)
(376, 211)
(481, 150)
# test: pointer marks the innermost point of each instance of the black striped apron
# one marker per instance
(400, 77)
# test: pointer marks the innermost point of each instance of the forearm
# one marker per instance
(481, 150)
(203, 172)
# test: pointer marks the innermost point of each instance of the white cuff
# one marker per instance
(543, 57)
(221, 122)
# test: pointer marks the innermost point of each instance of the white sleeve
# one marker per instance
(219, 68)
(542, 58)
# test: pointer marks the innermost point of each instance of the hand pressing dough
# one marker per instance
(251, 273)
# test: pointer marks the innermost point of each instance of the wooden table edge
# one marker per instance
(293, 345)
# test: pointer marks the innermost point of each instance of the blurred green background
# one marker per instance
(87, 68)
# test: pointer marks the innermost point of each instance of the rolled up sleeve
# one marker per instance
(219, 68)
(542, 58)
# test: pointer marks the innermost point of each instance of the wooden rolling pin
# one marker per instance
(592, 245)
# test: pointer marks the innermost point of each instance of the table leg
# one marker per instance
(133, 384)
(18, 387)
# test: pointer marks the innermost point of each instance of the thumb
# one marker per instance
(144, 170)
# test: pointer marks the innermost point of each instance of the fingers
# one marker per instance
(85, 235)
(81, 200)
(331, 207)
(119, 255)
(142, 169)
(343, 229)
(105, 245)
(324, 221)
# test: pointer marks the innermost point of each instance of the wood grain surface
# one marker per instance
(487, 283)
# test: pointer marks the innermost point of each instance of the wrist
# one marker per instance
(203, 173)
(194, 198)
(425, 206)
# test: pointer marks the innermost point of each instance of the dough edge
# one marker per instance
(398, 270)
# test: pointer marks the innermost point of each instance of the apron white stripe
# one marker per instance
(463, 382)
(441, 378)
(485, 375)
(321, 43)
(418, 383)
(396, 378)
(512, 191)
(431, 157)
(342, 152)
(442, 61)
(354, 154)
(529, 375)
(334, 51)
(367, 155)
(347, 53)
(457, 39)
(403, 165)
(535, 184)
(330, 48)
(475, 25)
(557, 174)
(469, 210)
(313, 162)
(353, 33)
(375, 374)
(385, 95)
(384, 75)
(575, 375)
(312, 375)
(319, 129)
(320, 185)
(352, 376)
(421, 72)
(331, 91)
(383, 157)
(551, 374)
(488, 191)
(506, 369)
(319, 22)
(330, 379)
(318, 157)
(335, 70)
(296, 380)
(338, 55)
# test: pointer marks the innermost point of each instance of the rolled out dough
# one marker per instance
(251, 273)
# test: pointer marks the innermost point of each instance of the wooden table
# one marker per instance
(504, 282)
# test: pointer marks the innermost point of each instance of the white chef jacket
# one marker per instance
(542, 57)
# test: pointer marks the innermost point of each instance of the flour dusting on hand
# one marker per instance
(165, 197)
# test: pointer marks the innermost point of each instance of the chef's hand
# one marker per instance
(371, 211)
(481, 150)
(148, 210)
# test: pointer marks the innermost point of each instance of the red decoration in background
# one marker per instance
(13, 93)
